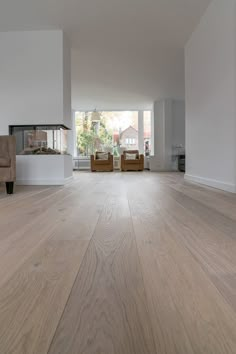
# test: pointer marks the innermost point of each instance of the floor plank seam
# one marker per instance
(76, 277)
(123, 263)
(140, 264)
(202, 267)
(202, 204)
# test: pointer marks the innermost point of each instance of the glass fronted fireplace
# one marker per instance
(40, 139)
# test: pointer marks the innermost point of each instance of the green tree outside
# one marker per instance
(92, 136)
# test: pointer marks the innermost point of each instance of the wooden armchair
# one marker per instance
(131, 160)
(8, 162)
(102, 161)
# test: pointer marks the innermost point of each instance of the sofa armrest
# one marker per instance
(122, 162)
(110, 158)
(92, 162)
(141, 157)
(12, 146)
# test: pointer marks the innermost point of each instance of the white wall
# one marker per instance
(35, 88)
(67, 113)
(33, 70)
(210, 59)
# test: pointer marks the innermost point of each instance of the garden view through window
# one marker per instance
(113, 132)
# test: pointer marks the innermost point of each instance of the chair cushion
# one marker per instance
(5, 161)
(102, 155)
(132, 156)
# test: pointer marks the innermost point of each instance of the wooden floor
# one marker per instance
(118, 263)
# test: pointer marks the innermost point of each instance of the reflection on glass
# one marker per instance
(40, 140)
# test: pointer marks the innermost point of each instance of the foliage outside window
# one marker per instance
(91, 136)
(114, 131)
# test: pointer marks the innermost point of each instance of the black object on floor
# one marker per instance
(181, 163)
(9, 187)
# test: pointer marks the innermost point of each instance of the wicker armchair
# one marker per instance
(136, 164)
(8, 162)
(99, 163)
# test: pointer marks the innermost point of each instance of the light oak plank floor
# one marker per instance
(118, 263)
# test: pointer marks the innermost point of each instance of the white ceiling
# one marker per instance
(125, 53)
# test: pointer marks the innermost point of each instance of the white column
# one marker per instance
(168, 134)
(140, 132)
(157, 160)
(162, 159)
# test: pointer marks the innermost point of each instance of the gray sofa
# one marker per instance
(8, 162)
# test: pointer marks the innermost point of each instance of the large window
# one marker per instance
(111, 131)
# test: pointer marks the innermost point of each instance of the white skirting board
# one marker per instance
(43, 169)
(228, 187)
